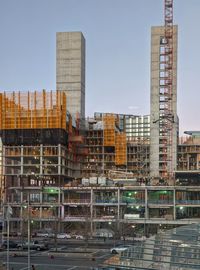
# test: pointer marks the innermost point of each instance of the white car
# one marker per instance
(140, 239)
(42, 234)
(119, 249)
(63, 236)
(78, 236)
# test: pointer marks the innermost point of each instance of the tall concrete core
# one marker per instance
(70, 70)
(158, 145)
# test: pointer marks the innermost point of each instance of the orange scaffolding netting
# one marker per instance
(120, 149)
(26, 110)
(109, 130)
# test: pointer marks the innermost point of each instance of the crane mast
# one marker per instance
(166, 115)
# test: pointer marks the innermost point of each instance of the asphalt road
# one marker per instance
(65, 260)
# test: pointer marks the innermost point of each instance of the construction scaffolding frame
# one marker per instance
(166, 116)
(120, 149)
(109, 130)
(27, 110)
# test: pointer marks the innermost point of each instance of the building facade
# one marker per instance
(104, 207)
(37, 146)
(39, 162)
(101, 159)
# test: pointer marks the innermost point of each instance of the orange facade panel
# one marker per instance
(109, 130)
(26, 110)
(120, 149)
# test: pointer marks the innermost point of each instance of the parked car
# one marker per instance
(51, 235)
(42, 234)
(12, 244)
(119, 249)
(140, 239)
(11, 234)
(78, 236)
(63, 236)
(35, 245)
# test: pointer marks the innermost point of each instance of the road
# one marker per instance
(48, 260)
(71, 254)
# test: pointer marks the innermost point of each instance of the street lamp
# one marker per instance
(29, 234)
(8, 215)
(27, 205)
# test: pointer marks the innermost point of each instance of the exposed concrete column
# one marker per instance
(59, 159)
(118, 203)
(174, 204)
(63, 212)
(41, 200)
(22, 160)
(59, 208)
(146, 204)
(41, 158)
(91, 211)
(21, 212)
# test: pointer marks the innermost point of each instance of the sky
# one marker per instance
(117, 34)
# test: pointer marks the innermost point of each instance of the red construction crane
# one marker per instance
(166, 92)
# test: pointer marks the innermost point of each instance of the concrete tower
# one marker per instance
(70, 70)
(159, 144)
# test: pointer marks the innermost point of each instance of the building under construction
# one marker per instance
(40, 166)
(112, 171)
(39, 145)
(118, 146)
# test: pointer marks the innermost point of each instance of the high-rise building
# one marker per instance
(164, 120)
(70, 70)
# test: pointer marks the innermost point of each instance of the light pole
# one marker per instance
(27, 205)
(29, 234)
(8, 233)
(8, 214)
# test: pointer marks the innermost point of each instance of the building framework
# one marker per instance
(103, 206)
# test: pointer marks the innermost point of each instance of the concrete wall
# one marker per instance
(70, 70)
(156, 33)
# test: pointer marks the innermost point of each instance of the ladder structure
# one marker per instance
(166, 115)
(142, 157)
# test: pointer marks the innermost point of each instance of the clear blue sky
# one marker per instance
(117, 36)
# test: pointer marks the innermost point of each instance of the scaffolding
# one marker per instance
(120, 149)
(142, 157)
(166, 93)
(109, 130)
(27, 110)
